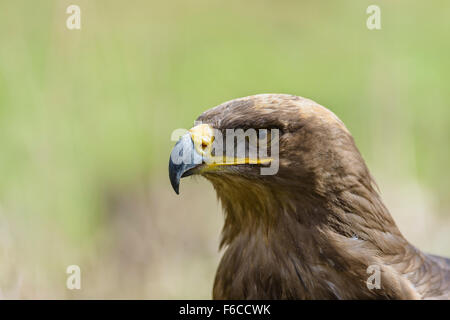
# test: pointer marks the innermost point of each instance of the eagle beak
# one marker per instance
(183, 159)
(189, 153)
(195, 149)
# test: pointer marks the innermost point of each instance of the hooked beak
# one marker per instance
(193, 154)
(183, 159)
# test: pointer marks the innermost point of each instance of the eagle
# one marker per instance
(315, 229)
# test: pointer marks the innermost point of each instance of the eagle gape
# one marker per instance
(313, 229)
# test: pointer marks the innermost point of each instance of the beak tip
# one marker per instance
(175, 182)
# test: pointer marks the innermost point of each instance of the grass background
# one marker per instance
(86, 117)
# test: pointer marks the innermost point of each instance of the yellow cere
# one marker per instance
(203, 137)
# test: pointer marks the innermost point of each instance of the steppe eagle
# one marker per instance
(315, 228)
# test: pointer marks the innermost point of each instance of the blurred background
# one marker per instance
(86, 117)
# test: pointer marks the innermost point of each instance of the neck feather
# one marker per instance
(326, 242)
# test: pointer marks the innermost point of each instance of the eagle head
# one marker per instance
(303, 218)
(272, 143)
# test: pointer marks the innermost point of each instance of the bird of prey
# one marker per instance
(317, 228)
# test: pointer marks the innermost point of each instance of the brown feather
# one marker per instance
(311, 230)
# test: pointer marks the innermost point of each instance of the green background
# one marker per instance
(86, 117)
